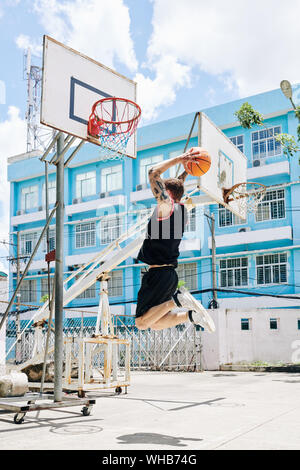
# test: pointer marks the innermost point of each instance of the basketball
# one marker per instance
(199, 165)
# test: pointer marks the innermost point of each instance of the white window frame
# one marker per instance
(230, 218)
(191, 225)
(277, 323)
(85, 235)
(28, 291)
(115, 283)
(52, 240)
(28, 240)
(249, 321)
(89, 293)
(267, 269)
(187, 272)
(44, 285)
(29, 197)
(85, 184)
(110, 229)
(233, 269)
(265, 208)
(111, 178)
(51, 193)
(234, 140)
(145, 164)
(264, 135)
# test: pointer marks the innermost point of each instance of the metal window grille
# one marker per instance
(271, 269)
(238, 141)
(28, 291)
(115, 283)
(264, 144)
(187, 272)
(191, 225)
(110, 229)
(234, 272)
(272, 206)
(227, 218)
(85, 235)
(28, 242)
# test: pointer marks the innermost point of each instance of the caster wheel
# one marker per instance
(118, 390)
(19, 418)
(86, 411)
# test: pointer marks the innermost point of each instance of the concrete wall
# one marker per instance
(232, 345)
(3, 296)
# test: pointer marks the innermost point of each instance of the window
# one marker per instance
(298, 321)
(44, 285)
(274, 323)
(29, 198)
(271, 269)
(238, 141)
(28, 242)
(115, 283)
(264, 144)
(187, 272)
(173, 169)
(85, 235)
(111, 178)
(51, 240)
(245, 323)
(146, 164)
(51, 193)
(110, 230)
(227, 218)
(28, 290)
(191, 225)
(234, 272)
(85, 184)
(272, 206)
(89, 293)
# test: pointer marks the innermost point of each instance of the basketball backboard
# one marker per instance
(72, 83)
(228, 165)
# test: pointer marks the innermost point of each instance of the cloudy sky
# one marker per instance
(184, 55)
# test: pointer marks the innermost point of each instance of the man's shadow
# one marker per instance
(153, 438)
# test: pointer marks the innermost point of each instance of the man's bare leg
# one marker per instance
(170, 319)
(154, 314)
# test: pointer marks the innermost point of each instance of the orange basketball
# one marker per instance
(200, 164)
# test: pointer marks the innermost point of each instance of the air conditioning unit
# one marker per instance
(245, 229)
(77, 200)
(19, 212)
(103, 195)
(256, 162)
(141, 186)
(40, 208)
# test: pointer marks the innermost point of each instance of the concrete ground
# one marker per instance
(172, 411)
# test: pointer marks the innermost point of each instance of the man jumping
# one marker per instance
(159, 300)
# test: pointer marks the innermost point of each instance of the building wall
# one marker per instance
(232, 345)
(272, 236)
(3, 296)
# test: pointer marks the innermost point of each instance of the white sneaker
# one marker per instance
(199, 315)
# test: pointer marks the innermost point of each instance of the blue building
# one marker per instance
(102, 199)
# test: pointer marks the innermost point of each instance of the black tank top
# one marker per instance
(161, 244)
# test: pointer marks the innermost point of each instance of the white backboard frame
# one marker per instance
(228, 165)
(72, 83)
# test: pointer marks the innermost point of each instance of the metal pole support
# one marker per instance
(59, 259)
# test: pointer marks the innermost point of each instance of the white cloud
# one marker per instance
(24, 42)
(98, 29)
(251, 44)
(12, 142)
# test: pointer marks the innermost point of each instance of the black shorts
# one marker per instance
(158, 286)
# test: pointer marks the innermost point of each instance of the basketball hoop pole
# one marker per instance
(59, 280)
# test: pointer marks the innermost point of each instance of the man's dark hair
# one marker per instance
(176, 187)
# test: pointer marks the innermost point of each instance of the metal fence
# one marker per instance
(177, 348)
